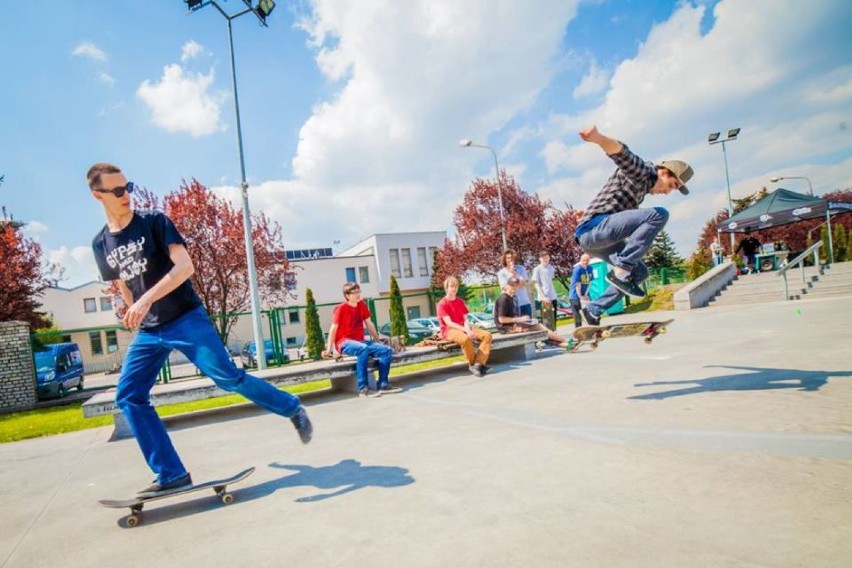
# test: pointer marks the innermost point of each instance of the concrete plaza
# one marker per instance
(728, 442)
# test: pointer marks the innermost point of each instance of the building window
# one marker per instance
(66, 339)
(106, 304)
(350, 274)
(413, 312)
(394, 260)
(95, 341)
(421, 260)
(89, 305)
(294, 316)
(364, 273)
(112, 341)
(406, 263)
(291, 341)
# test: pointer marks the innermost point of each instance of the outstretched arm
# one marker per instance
(607, 144)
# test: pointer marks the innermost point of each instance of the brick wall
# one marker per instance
(17, 376)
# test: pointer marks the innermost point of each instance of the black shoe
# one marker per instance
(303, 425)
(590, 319)
(480, 369)
(485, 369)
(625, 286)
(390, 389)
(181, 482)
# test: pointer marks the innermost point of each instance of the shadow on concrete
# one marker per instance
(759, 378)
(344, 477)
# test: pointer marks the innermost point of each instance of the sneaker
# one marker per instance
(625, 286)
(590, 319)
(156, 487)
(367, 393)
(485, 369)
(389, 389)
(480, 369)
(303, 425)
(474, 370)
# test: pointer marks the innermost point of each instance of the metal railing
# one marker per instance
(800, 261)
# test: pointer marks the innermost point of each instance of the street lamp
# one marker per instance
(469, 144)
(714, 138)
(261, 11)
(810, 187)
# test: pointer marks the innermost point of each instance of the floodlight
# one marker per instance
(713, 137)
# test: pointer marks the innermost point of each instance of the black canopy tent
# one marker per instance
(782, 207)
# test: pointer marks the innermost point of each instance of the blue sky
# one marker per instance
(352, 111)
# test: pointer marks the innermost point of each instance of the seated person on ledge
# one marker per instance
(508, 321)
(455, 327)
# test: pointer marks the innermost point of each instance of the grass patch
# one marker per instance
(69, 418)
(658, 299)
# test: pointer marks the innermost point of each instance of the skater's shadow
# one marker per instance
(335, 480)
(758, 378)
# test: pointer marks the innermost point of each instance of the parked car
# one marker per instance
(248, 356)
(432, 323)
(59, 367)
(563, 310)
(416, 332)
(482, 320)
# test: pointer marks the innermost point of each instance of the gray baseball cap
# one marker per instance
(681, 170)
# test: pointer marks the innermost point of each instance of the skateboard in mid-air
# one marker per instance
(137, 503)
(594, 334)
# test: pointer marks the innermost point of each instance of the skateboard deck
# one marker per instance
(136, 504)
(594, 334)
(548, 316)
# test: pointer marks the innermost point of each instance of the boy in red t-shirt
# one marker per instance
(347, 336)
(455, 327)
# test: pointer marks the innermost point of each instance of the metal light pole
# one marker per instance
(262, 10)
(713, 138)
(810, 187)
(469, 144)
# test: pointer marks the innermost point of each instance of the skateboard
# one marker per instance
(548, 315)
(594, 334)
(137, 503)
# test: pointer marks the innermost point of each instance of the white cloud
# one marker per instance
(106, 78)
(35, 228)
(190, 50)
(774, 73)
(78, 264)
(595, 81)
(90, 50)
(183, 101)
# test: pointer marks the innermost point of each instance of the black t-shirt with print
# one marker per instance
(505, 307)
(139, 255)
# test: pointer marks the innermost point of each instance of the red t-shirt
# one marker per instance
(350, 322)
(456, 309)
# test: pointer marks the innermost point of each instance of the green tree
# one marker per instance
(399, 326)
(823, 250)
(839, 238)
(313, 332)
(662, 253)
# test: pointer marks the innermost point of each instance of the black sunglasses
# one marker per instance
(118, 191)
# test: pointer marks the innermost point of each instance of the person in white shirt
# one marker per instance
(542, 277)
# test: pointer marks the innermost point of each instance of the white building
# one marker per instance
(85, 313)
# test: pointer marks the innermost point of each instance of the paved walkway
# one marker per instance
(728, 442)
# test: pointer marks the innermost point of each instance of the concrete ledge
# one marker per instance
(515, 346)
(700, 291)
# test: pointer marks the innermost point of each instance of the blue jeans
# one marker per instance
(623, 238)
(363, 350)
(193, 335)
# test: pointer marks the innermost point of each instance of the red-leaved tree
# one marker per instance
(23, 276)
(213, 230)
(532, 224)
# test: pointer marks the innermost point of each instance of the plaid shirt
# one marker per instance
(626, 187)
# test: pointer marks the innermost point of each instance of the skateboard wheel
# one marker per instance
(606, 334)
(132, 520)
(594, 345)
(648, 340)
(227, 498)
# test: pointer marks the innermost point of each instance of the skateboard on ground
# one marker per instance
(594, 334)
(548, 315)
(137, 503)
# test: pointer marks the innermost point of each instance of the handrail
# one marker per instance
(800, 261)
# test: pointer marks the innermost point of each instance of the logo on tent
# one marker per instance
(733, 225)
(801, 211)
